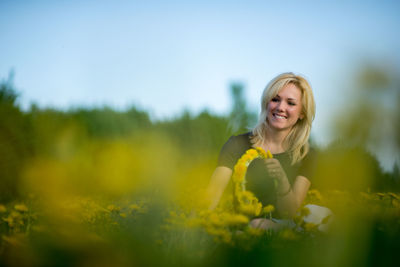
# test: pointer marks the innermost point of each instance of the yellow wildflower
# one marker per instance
(314, 196)
(134, 207)
(393, 195)
(21, 207)
(381, 195)
(247, 203)
(220, 233)
(252, 153)
(9, 220)
(268, 209)
(3, 208)
(230, 219)
(262, 152)
(255, 231)
(246, 158)
(214, 219)
(251, 209)
(288, 234)
(123, 215)
(113, 208)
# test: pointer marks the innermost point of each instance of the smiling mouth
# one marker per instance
(279, 116)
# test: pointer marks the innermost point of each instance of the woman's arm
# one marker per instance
(289, 198)
(219, 181)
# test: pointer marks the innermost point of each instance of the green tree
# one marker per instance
(15, 144)
(240, 119)
(372, 118)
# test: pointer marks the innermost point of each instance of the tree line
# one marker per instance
(36, 132)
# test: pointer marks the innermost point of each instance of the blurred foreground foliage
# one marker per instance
(99, 187)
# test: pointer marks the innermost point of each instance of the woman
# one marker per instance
(287, 111)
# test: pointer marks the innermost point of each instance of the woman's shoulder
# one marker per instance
(240, 140)
(233, 149)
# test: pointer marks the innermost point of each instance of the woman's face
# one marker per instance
(285, 108)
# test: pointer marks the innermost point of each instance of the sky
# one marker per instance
(167, 56)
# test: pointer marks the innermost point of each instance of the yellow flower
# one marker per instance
(134, 207)
(288, 234)
(113, 208)
(252, 153)
(248, 203)
(230, 219)
(255, 231)
(315, 195)
(246, 158)
(251, 209)
(3, 208)
(393, 195)
(21, 207)
(262, 152)
(268, 209)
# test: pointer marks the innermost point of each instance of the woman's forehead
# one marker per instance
(289, 91)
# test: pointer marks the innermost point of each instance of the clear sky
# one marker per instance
(164, 56)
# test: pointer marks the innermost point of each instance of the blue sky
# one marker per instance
(164, 56)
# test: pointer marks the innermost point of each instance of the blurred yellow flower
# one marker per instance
(247, 203)
(231, 219)
(255, 231)
(288, 234)
(268, 209)
(113, 208)
(21, 207)
(3, 208)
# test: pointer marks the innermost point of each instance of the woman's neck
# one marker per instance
(274, 140)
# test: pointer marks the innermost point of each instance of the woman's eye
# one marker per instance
(274, 99)
(292, 104)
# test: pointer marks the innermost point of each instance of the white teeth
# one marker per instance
(279, 117)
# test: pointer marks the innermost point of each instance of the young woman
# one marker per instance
(287, 112)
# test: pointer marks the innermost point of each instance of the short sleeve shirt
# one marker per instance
(257, 179)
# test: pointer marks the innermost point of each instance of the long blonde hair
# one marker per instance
(296, 142)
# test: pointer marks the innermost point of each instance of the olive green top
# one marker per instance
(258, 180)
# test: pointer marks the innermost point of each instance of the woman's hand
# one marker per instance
(274, 169)
(289, 198)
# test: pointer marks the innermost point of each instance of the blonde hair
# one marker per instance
(296, 142)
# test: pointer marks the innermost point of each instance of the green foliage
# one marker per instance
(199, 135)
(240, 119)
(15, 144)
(342, 166)
(106, 122)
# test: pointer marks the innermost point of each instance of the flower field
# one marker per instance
(96, 187)
(108, 204)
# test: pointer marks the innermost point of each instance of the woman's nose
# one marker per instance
(280, 106)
